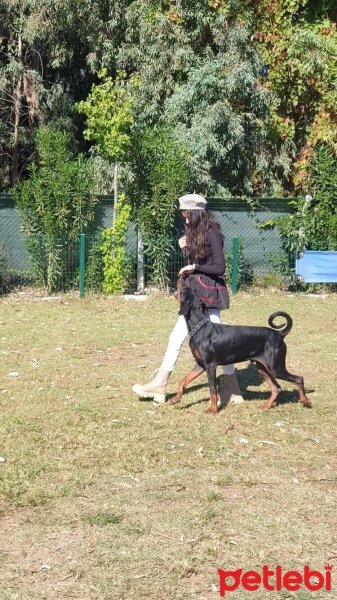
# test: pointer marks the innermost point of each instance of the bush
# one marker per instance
(56, 204)
(5, 278)
(314, 224)
(115, 266)
(159, 175)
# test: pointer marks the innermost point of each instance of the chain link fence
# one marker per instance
(55, 265)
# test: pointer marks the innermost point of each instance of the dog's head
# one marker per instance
(185, 296)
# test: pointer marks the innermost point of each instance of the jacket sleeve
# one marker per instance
(216, 265)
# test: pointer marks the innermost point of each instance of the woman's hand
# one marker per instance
(182, 242)
(186, 270)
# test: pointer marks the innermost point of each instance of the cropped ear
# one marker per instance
(185, 307)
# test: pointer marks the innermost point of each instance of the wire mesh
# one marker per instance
(54, 264)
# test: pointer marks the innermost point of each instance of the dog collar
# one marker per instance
(197, 327)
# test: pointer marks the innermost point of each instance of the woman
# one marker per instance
(203, 243)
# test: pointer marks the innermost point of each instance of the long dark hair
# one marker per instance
(197, 228)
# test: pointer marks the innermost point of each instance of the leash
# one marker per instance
(197, 327)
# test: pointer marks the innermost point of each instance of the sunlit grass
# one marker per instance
(106, 497)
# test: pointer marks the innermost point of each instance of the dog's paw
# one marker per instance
(175, 400)
(211, 410)
(267, 405)
(307, 403)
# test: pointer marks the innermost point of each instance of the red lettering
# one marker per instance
(292, 581)
(328, 570)
(313, 587)
(251, 581)
(266, 572)
(278, 574)
(229, 587)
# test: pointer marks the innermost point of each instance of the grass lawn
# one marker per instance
(107, 497)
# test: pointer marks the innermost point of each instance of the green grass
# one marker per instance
(108, 497)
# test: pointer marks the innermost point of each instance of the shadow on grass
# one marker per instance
(247, 377)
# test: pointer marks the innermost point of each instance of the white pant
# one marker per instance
(177, 337)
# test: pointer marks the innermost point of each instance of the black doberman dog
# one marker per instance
(213, 344)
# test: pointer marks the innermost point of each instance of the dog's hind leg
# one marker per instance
(297, 380)
(272, 384)
(211, 375)
(196, 371)
(280, 371)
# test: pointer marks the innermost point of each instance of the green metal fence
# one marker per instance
(254, 255)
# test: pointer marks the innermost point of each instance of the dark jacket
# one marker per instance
(213, 263)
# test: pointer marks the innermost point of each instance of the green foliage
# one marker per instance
(56, 205)
(244, 271)
(314, 225)
(249, 87)
(199, 73)
(298, 42)
(159, 175)
(94, 265)
(115, 265)
(5, 277)
(31, 85)
(321, 228)
(283, 274)
(109, 116)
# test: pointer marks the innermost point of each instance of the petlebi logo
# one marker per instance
(275, 579)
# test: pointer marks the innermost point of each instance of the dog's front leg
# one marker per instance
(196, 371)
(211, 374)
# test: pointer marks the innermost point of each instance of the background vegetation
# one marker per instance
(57, 204)
(249, 87)
(244, 92)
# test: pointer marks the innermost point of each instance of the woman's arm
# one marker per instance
(216, 263)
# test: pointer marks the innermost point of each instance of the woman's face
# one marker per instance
(184, 214)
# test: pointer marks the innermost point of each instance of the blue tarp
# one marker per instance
(317, 267)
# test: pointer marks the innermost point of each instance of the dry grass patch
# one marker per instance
(106, 497)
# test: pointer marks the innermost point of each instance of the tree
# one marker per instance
(229, 77)
(109, 111)
(200, 73)
(50, 53)
(109, 115)
(21, 88)
(154, 171)
(298, 42)
(157, 175)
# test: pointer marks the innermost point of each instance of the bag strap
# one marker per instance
(217, 285)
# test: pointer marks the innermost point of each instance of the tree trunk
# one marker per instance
(17, 115)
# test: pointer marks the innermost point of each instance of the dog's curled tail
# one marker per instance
(285, 327)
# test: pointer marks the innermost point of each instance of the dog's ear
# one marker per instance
(185, 307)
(185, 301)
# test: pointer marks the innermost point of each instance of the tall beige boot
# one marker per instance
(155, 389)
(230, 392)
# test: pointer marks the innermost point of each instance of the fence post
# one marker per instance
(235, 264)
(82, 264)
(140, 263)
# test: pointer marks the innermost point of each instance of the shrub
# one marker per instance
(56, 204)
(115, 266)
(5, 277)
(314, 224)
(160, 174)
